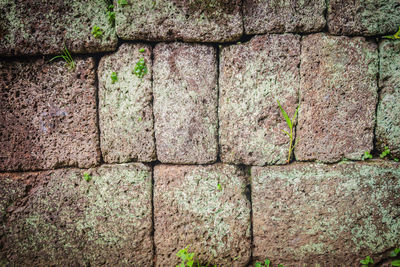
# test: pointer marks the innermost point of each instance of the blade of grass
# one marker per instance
(288, 122)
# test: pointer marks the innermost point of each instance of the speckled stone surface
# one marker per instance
(338, 98)
(47, 115)
(187, 20)
(30, 27)
(190, 209)
(185, 103)
(322, 215)
(361, 17)
(252, 75)
(278, 16)
(67, 221)
(125, 106)
(387, 129)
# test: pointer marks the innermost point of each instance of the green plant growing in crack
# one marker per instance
(122, 2)
(394, 36)
(367, 261)
(188, 259)
(67, 58)
(366, 155)
(395, 253)
(97, 32)
(140, 68)
(111, 14)
(385, 152)
(290, 124)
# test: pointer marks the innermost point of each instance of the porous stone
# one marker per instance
(387, 131)
(252, 76)
(204, 208)
(185, 103)
(68, 221)
(338, 98)
(320, 215)
(360, 17)
(11, 190)
(125, 106)
(187, 20)
(279, 16)
(48, 115)
(44, 27)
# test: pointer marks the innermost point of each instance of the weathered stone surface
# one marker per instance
(190, 209)
(187, 20)
(325, 215)
(11, 189)
(360, 17)
(338, 98)
(387, 129)
(278, 16)
(47, 115)
(125, 106)
(251, 76)
(43, 27)
(185, 103)
(67, 221)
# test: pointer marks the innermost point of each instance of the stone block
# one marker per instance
(204, 208)
(185, 103)
(365, 18)
(187, 20)
(387, 131)
(48, 115)
(309, 214)
(44, 27)
(252, 76)
(338, 98)
(279, 16)
(68, 221)
(125, 106)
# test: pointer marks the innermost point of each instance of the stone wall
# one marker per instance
(128, 171)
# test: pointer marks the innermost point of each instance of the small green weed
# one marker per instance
(111, 14)
(395, 252)
(114, 77)
(368, 260)
(122, 2)
(140, 68)
(67, 57)
(87, 177)
(266, 263)
(366, 155)
(289, 123)
(188, 259)
(97, 32)
(385, 152)
(219, 187)
(396, 159)
(394, 36)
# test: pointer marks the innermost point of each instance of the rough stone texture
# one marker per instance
(125, 107)
(251, 76)
(29, 27)
(67, 221)
(338, 98)
(185, 103)
(11, 189)
(387, 131)
(190, 210)
(362, 17)
(278, 16)
(325, 215)
(47, 115)
(187, 20)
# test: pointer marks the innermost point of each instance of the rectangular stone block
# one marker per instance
(252, 76)
(338, 98)
(185, 20)
(279, 16)
(204, 208)
(361, 17)
(185, 103)
(325, 215)
(44, 27)
(125, 106)
(48, 115)
(387, 130)
(65, 220)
